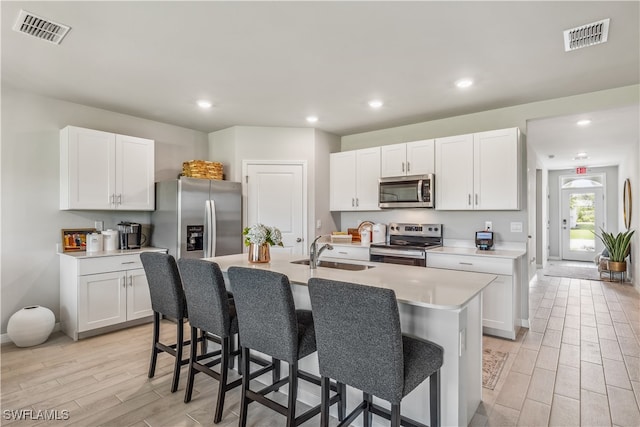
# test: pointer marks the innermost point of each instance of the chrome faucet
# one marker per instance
(314, 252)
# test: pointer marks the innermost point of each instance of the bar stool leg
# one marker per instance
(324, 409)
(244, 400)
(434, 398)
(222, 386)
(342, 404)
(395, 415)
(275, 374)
(193, 354)
(293, 393)
(367, 414)
(154, 348)
(178, 364)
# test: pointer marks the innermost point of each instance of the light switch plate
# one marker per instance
(516, 227)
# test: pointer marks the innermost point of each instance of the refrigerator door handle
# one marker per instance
(210, 229)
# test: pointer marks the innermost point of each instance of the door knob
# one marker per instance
(299, 239)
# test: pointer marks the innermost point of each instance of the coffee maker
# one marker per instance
(130, 235)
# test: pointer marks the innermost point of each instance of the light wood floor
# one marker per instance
(579, 364)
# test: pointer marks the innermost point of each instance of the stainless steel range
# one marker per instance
(407, 244)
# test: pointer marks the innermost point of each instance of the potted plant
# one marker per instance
(618, 247)
(260, 238)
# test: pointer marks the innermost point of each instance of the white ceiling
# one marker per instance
(274, 63)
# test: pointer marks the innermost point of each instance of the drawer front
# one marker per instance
(108, 263)
(348, 252)
(479, 264)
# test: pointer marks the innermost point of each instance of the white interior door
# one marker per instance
(581, 215)
(276, 197)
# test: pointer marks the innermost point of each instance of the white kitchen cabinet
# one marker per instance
(500, 300)
(479, 171)
(411, 158)
(346, 252)
(105, 171)
(102, 291)
(354, 179)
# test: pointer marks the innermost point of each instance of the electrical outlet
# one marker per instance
(318, 224)
(98, 225)
(488, 225)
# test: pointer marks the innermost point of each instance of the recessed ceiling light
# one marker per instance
(582, 154)
(376, 103)
(583, 122)
(312, 119)
(464, 83)
(204, 104)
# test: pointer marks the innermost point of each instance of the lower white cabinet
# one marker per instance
(102, 291)
(354, 252)
(500, 300)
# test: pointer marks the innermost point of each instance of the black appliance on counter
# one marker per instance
(130, 235)
(484, 240)
(408, 244)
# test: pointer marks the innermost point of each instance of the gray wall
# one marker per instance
(611, 204)
(31, 221)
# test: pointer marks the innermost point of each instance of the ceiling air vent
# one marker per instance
(39, 27)
(586, 35)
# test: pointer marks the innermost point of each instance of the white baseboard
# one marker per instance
(4, 338)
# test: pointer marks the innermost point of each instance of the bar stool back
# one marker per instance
(167, 298)
(360, 343)
(270, 324)
(212, 312)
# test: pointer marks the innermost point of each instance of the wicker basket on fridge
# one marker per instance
(202, 169)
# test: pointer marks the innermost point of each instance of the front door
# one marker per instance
(275, 197)
(581, 217)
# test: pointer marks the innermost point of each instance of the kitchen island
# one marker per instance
(442, 306)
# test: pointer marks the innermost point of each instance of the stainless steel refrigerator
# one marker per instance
(198, 218)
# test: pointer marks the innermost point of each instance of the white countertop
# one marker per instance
(497, 253)
(84, 254)
(425, 287)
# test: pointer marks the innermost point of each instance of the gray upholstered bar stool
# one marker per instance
(211, 312)
(360, 344)
(270, 324)
(167, 298)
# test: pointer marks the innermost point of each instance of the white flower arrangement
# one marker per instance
(259, 234)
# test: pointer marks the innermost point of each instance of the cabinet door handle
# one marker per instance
(119, 199)
(466, 263)
(476, 199)
(357, 202)
(343, 253)
(112, 199)
(402, 166)
(469, 199)
(408, 166)
(131, 281)
(128, 262)
(124, 281)
(353, 202)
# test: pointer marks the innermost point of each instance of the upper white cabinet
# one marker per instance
(479, 171)
(411, 158)
(105, 171)
(354, 179)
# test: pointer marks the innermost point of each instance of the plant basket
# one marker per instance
(616, 266)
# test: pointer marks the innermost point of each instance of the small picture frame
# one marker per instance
(75, 239)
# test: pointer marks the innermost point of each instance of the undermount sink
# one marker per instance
(335, 264)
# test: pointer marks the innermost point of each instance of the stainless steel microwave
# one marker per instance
(415, 191)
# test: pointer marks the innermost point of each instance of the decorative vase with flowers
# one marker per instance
(260, 238)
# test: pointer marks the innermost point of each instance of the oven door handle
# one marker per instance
(399, 254)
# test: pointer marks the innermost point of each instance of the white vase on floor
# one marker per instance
(30, 326)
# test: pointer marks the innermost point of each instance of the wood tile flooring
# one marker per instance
(578, 365)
